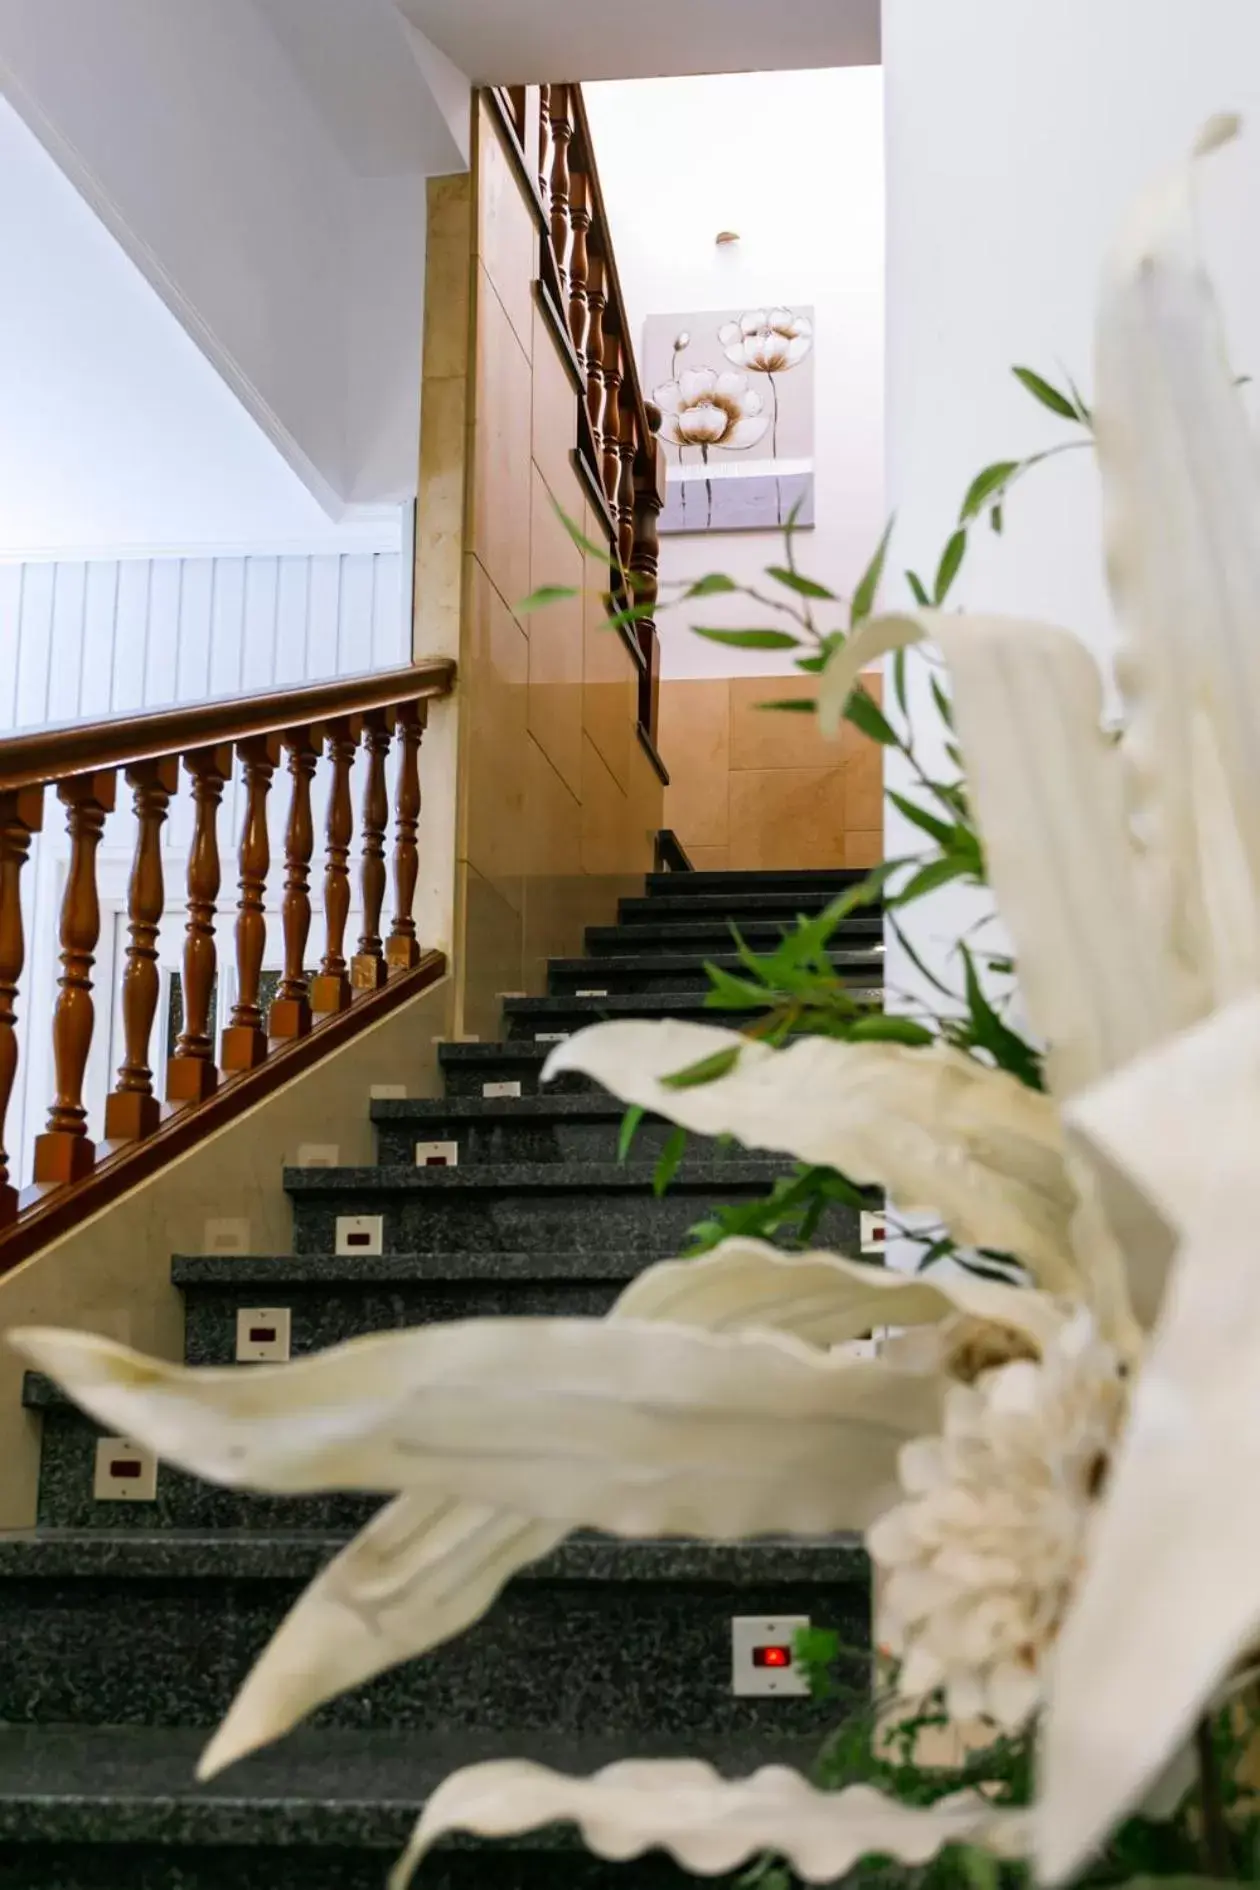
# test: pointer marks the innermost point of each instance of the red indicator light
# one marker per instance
(436, 1161)
(772, 1656)
(262, 1335)
(125, 1471)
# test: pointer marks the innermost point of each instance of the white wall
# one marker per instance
(794, 162)
(252, 157)
(1016, 135)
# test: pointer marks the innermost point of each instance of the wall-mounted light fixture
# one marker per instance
(726, 236)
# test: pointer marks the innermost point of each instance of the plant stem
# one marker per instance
(1216, 1851)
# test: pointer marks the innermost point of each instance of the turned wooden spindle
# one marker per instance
(330, 990)
(579, 259)
(546, 150)
(402, 948)
(291, 1007)
(611, 467)
(191, 1073)
(21, 815)
(133, 1111)
(368, 969)
(244, 1041)
(560, 117)
(64, 1153)
(623, 503)
(596, 303)
(649, 501)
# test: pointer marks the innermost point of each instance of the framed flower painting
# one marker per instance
(736, 393)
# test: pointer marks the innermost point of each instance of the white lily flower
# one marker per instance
(714, 1400)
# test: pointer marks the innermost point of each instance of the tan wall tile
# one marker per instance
(709, 859)
(556, 640)
(450, 206)
(863, 762)
(645, 811)
(554, 892)
(610, 675)
(604, 817)
(555, 413)
(490, 961)
(493, 695)
(864, 849)
(440, 518)
(694, 738)
(507, 233)
(448, 278)
(787, 817)
(499, 532)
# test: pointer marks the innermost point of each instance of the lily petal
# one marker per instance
(708, 1823)
(934, 1127)
(625, 1425)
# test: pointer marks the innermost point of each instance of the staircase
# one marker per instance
(129, 1625)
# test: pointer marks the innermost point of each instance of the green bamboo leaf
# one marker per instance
(918, 590)
(944, 707)
(948, 568)
(580, 540)
(928, 878)
(927, 975)
(729, 993)
(670, 1157)
(984, 485)
(941, 831)
(707, 1070)
(749, 639)
(1041, 390)
(995, 520)
(1083, 413)
(792, 705)
(1008, 1049)
(869, 719)
(869, 582)
(717, 584)
(803, 586)
(889, 1030)
(629, 1128)
(899, 680)
(544, 595)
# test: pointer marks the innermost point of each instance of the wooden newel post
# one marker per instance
(330, 990)
(244, 1041)
(133, 1111)
(368, 970)
(191, 1073)
(291, 1008)
(402, 950)
(560, 119)
(21, 815)
(64, 1153)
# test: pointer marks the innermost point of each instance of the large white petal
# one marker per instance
(729, 332)
(799, 348)
(710, 1824)
(696, 383)
(734, 386)
(823, 1298)
(623, 1425)
(1181, 487)
(1169, 1598)
(934, 1127)
(747, 432)
(667, 396)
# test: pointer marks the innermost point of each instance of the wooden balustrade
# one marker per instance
(72, 1171)
(616, 435)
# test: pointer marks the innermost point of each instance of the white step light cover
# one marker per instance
(263, 1335)
(360, 1234)
(124, 1472)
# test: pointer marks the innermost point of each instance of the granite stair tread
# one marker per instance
(714, 934)
(689, 1006)
(596, 1107)
(788, 905)
(829, 880)
(574, 1178)
(456, 1267)
(258, 1555)
(628, 963)
(135, 1784)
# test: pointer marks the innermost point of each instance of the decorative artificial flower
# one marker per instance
(1098, 1539)
(704, 408)
(768, 342)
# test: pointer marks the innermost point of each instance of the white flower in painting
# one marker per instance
(981, 1560)
(704, 408)
(768, 341)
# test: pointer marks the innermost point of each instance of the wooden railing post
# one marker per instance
(330, 990)
(132, 1110)
(402, 949)
(21, 815)
(596, 303)
(611, 469)
(546, 150)
(244, 1041)
(368, 969)
(622, 498)
(63, 1153)
(191, 1073)
(579, 260)
(291, 1008)
(560, 118)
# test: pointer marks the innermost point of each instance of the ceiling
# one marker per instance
(506, 43)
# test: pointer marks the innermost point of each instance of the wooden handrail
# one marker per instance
(287, 733)
(584, 159)
(52, 754)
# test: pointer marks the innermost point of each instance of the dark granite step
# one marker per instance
(529, 1018)
(601, 1638)
(729, 908)
(329, 1299)
(713, 935)
(683, 971)
(827, 882)
(99, 1808)
(531, 1206)
(468, 1067)
(547, 1128)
